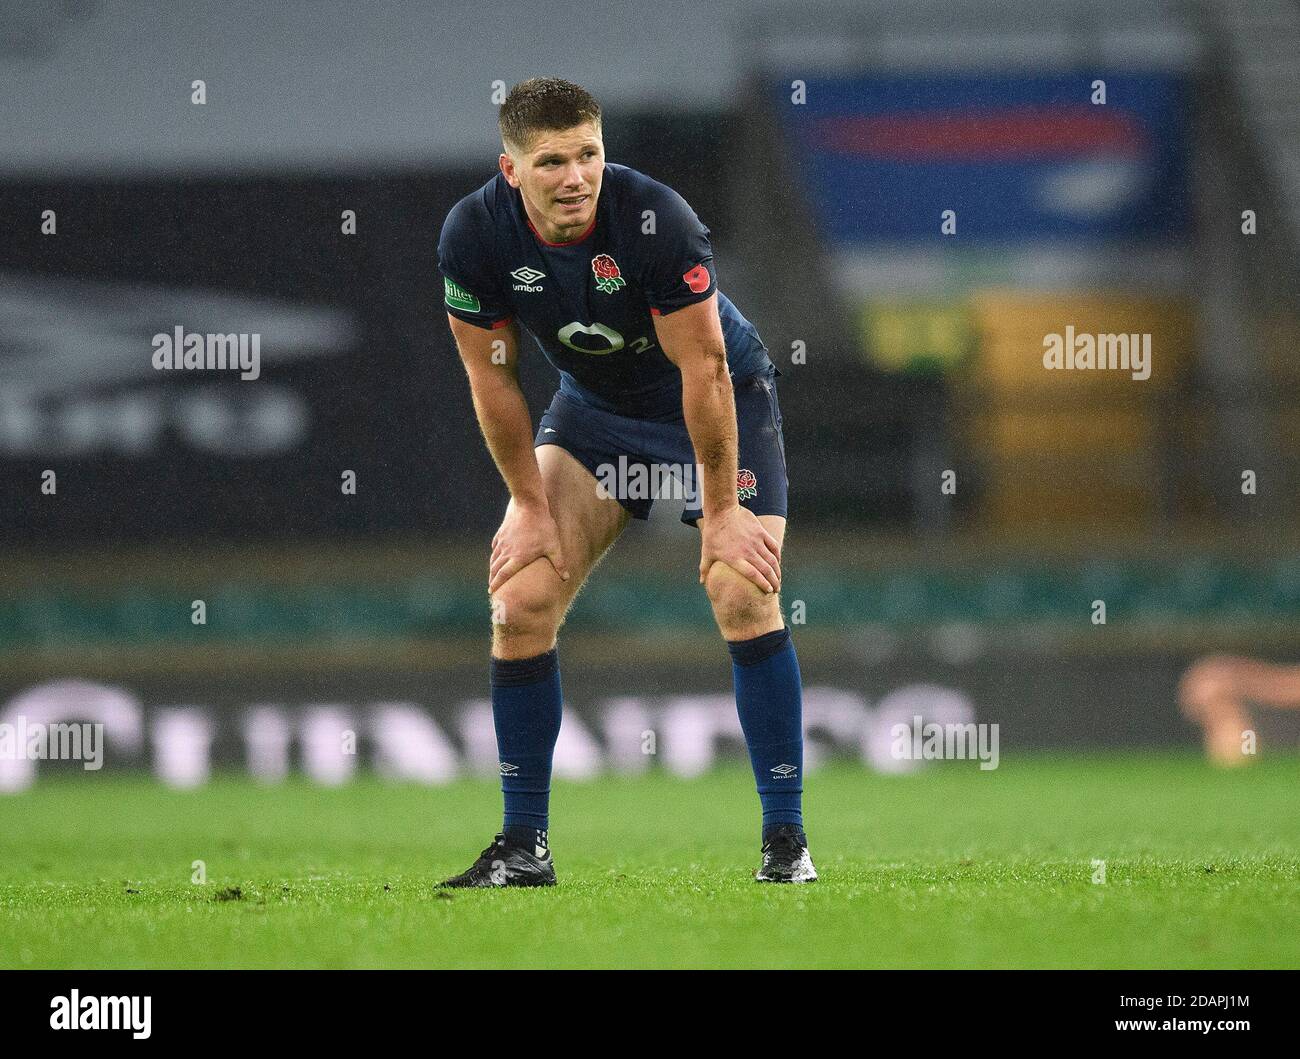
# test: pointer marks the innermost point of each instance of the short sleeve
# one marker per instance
(679, 269)
(470, 292)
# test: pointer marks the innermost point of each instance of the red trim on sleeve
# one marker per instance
(655, 312)
(501, 323)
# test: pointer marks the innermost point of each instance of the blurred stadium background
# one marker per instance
(905, 353)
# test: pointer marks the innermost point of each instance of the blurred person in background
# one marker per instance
(1216, 691)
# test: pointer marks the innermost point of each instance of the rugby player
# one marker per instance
(612, 274)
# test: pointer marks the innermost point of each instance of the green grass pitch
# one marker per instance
(951, 867)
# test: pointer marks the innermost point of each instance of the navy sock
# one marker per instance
(769, 700)
(526, 709)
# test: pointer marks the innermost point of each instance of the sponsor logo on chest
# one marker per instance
(528, 279)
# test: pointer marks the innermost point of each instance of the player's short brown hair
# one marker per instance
(544, 104)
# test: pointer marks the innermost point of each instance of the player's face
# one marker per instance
(559, 177)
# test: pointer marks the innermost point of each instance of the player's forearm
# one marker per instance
(507, 429)
(709, 408)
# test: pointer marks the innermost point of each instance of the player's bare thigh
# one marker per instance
(532, 604)
(741, 609)
(589, 522)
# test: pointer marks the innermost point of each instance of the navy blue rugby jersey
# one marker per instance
(590, 302)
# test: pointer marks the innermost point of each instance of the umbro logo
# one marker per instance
(507, 768)
(784, 771)
(528, 278)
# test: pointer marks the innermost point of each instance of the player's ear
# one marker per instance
(507, 165)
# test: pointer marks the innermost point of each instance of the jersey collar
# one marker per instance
(595, 215)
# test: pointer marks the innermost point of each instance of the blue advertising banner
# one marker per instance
(1014, 156)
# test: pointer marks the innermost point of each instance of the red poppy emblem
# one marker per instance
(697, 279)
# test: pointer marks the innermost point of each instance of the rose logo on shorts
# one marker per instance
(746, 485)
(608, 279)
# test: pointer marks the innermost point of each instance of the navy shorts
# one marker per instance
(623, 452)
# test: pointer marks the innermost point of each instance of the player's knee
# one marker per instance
(737, 602)
(525, 606)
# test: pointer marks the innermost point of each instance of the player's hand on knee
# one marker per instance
(526, 534)
(740, 540)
